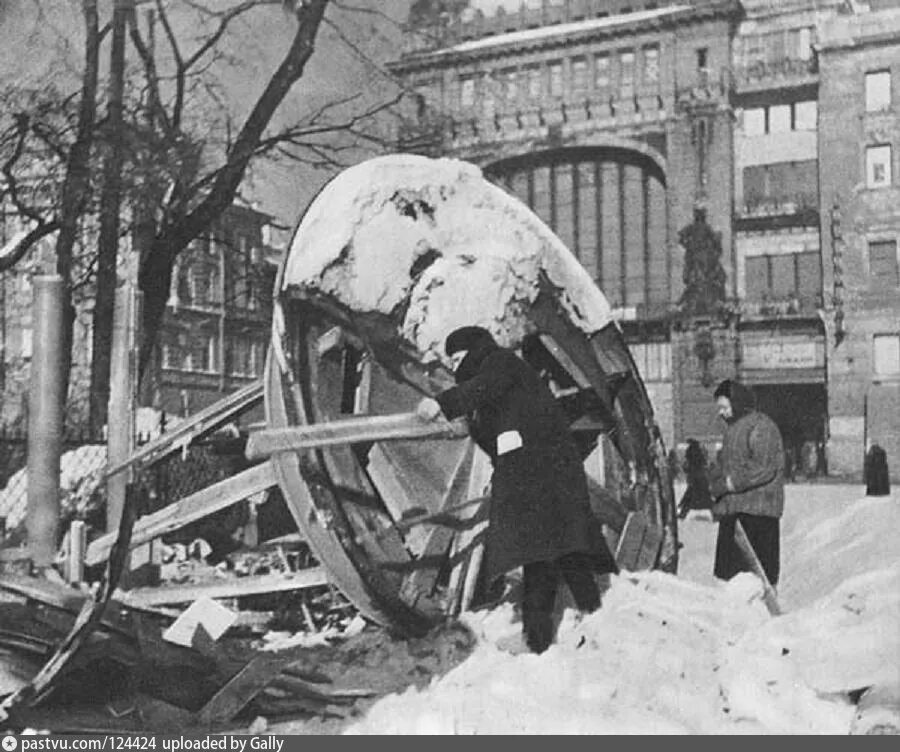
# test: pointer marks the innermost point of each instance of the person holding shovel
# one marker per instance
(539, 515)
(747, 484)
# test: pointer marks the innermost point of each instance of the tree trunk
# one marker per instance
(77, 180)
(108, 241)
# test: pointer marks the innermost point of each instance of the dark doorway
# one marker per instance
(800, 411)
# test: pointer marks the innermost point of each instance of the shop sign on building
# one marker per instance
(776, 355)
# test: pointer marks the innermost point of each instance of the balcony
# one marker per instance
(781, 73)
(785, 307)
(766, 212)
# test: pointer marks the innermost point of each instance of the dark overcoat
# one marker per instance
(539, 507)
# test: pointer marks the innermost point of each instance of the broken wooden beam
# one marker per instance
(198, 505)
(350, 431)
(769, 596)
(192, 428)
(238, 588)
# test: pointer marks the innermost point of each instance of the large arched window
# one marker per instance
(608, 205)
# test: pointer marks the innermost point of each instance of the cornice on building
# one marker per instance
(842, 32)
(566, 34)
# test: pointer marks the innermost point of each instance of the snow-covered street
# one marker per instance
(689, 654)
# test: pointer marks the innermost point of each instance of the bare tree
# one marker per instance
(73, 196)
(175, 170)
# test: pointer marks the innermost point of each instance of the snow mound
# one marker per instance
(434, 245)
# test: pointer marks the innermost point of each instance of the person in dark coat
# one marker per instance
(540, 516)
(748, 484)
(696, 495)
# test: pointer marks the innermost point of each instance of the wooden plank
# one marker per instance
(239, 690)
(421, 582)
(639, 543)
(194, 507)
(349, 431)
(20, 553)
(267, 583)
(562, 357)
(192, 428)
(769, 596)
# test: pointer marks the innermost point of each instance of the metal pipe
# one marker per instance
(45, 411)
(120, 420)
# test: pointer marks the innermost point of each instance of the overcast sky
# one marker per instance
(42, 41)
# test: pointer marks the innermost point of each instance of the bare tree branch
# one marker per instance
(224, 20)
(178, 105)
(15, 254)
(22, 128)
(151, 75)
(155, 272)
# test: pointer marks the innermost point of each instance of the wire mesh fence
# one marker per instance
(81, 488)
(81, 463)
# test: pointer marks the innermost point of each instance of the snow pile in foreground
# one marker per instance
(666, 656)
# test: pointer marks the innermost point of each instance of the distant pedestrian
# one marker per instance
(696, 495)
(876, 471)
(539, 516)
(748, 484)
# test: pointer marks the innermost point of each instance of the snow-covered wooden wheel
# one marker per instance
(392, 255)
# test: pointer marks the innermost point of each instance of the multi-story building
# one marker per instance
(652, 136)
(219, 315)
(859, 141)
(214, 336)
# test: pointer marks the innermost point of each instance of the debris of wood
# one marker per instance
(198, 505)
(236, 588)
(351, 430)
(770, 598)
(639, 543)
(204, 612)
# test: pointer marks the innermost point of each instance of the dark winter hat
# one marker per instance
(741, 397)
(468, 338)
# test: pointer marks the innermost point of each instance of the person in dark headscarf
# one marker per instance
(539, 516)
(748, 484)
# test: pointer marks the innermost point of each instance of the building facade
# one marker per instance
(219, 315)
(683, 152)
(214, 336)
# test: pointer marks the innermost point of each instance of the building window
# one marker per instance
(488, 102)
(601, 72)
(579, 75)
(804, 43)
(780, 118)
(246, 357)
(27, 349)
(878, 91)
(626, 71)
(702, 59)
(202, 354)
(534, 82)
(806, 115)
(878, 166)
(169, 356)
(510, 85)
(784, 278)
(883, 263)
(556, 79)
(755, 121)
(651, 66)
(467, 92)
(886, 354)
(781, 188)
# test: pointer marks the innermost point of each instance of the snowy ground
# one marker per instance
(689, 654)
